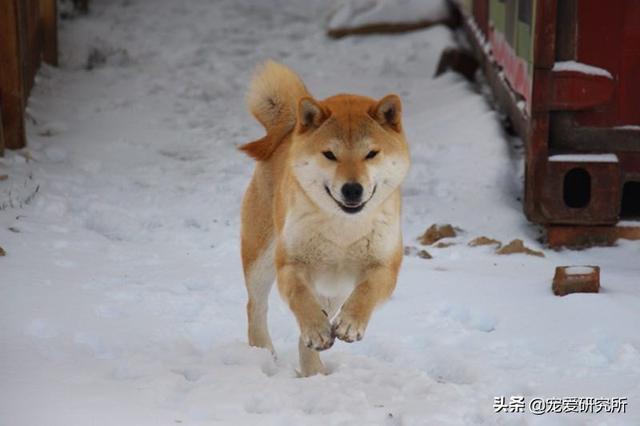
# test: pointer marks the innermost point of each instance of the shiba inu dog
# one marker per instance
(322, 212)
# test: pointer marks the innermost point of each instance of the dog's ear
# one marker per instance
(310, 113)
(388, 112)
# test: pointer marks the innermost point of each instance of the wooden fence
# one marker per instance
(28, 35)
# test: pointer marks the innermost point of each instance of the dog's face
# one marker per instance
(349, 152)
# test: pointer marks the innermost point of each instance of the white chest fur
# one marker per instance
(340, 244)
(338, 250)
(334, 282)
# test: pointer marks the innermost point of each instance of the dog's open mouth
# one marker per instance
(350, 208)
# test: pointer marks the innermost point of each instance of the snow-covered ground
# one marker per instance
(121, 293)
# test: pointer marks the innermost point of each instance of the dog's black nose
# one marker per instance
(352, 192)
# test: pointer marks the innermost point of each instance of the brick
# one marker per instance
(576, 279)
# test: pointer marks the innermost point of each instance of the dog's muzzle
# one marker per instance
(352, 193)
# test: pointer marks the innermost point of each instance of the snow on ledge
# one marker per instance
(479, 35)
(585, 158)
(582, 68)
(629, 224)
(358, 13)
(628, 127)
(578, 270)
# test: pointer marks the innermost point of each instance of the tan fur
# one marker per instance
(333, 267)
(272, 99)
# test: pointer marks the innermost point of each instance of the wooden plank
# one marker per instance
(481, 15)
(385, 28)
(536, 144)
(49, 22)
(545, 34)
(501, 91)
(566, 136)
(566, 30)
(32, 41)
(12, 91)
(575, 91)
(1, 132)
(589, 236)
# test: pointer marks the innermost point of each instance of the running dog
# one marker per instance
(321, 215)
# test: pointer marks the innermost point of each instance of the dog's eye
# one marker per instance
(371, 154)
(329, 156)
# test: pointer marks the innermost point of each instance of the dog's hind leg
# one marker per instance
(258, 251)
(310, 362)
(259, 277)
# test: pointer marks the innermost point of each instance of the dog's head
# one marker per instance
(349, 152)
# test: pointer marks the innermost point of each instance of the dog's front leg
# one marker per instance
(377, 286)
(315, 329)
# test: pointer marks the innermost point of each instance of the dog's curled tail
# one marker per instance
(273, 99)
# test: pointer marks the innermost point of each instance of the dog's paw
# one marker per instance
(317, 334)
(348, 327)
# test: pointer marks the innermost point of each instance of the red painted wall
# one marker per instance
(609, 38)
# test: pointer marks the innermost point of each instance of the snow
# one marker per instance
(357, 13)
(629, 223)
(121, 293)
(479, 35)
(578, 270)
(581, 68)
(585, 158)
